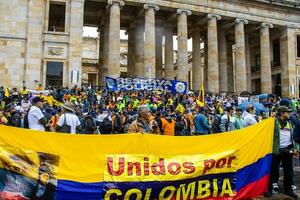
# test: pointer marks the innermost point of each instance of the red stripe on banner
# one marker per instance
(254, 189)
(11, 196)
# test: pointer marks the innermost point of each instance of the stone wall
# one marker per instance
(12, 41)
(11, 62)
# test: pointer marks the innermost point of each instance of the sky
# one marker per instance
(92, 32)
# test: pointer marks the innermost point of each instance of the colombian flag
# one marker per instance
(226, 166)
(6, 93)
(201, 97)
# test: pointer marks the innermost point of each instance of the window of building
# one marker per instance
(298, 46)
(276, 53)
(57, 16)
(256, 66)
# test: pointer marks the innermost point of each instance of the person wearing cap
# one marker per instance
(68, 121)
(237, 119)
(36, 118)
(283, 150)
(14, 117)
(202, 127)
(226, 123)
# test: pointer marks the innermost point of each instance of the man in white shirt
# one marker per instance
(249, 116)
(68, 119)
(36, 119)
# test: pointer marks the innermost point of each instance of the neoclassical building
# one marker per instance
(238, 45)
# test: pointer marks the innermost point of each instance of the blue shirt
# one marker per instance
(201, 124)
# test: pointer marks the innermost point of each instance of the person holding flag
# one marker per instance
(201, 97)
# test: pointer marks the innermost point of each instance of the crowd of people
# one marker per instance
(87, 111)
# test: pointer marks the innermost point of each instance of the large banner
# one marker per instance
(130, 84)
(39, 165)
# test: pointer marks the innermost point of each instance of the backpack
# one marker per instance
(215, 127)
(179, 128)
(106, 126)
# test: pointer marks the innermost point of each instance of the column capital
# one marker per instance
(120, 2)
(147, 6)
(241, 20)
(266, 25)
(180, 11)
(210, 16)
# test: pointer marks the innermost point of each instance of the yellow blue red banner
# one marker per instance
(39, 165)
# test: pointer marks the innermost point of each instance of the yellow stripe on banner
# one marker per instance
(86, 158)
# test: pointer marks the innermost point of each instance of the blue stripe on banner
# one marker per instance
(253, 172)
(67, 190)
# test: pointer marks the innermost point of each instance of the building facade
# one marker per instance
(237, 45)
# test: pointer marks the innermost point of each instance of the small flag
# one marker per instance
(201, 100)
(6, 93)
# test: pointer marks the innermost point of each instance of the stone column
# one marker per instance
(169, 53)
(248, 64)
(105, 49)
(182, 38)
(101, 55)
(197, 69)
(230, 66)
(75, 52)
(114, 38)
(139, 49)
(131, 51)
(158, 52)
(213, 60)
(149, 49)
(33, 49)
(223, 62)
(265, 58)
(240, 56)
(289, 85)
(205, 69)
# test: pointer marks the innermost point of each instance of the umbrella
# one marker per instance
(258, 106)
(263, 96)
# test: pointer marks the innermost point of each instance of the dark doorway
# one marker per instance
(256, 84)
(92, 80)
(276, 53)
(54, 74)
(277, 84)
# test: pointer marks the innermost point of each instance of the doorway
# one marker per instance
(92, 79)
(54, 74)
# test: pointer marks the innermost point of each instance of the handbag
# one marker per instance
(65, 127)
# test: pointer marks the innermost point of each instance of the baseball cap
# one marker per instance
(37, 99)
(284, 109)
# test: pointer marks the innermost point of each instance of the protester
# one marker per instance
(249, 116)
(68, 121)
(202, 126)
(168, 125)
(36, 119)
(14, 117)
(238, 121)
(226, 120)
(143, 124)
(283, 150)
